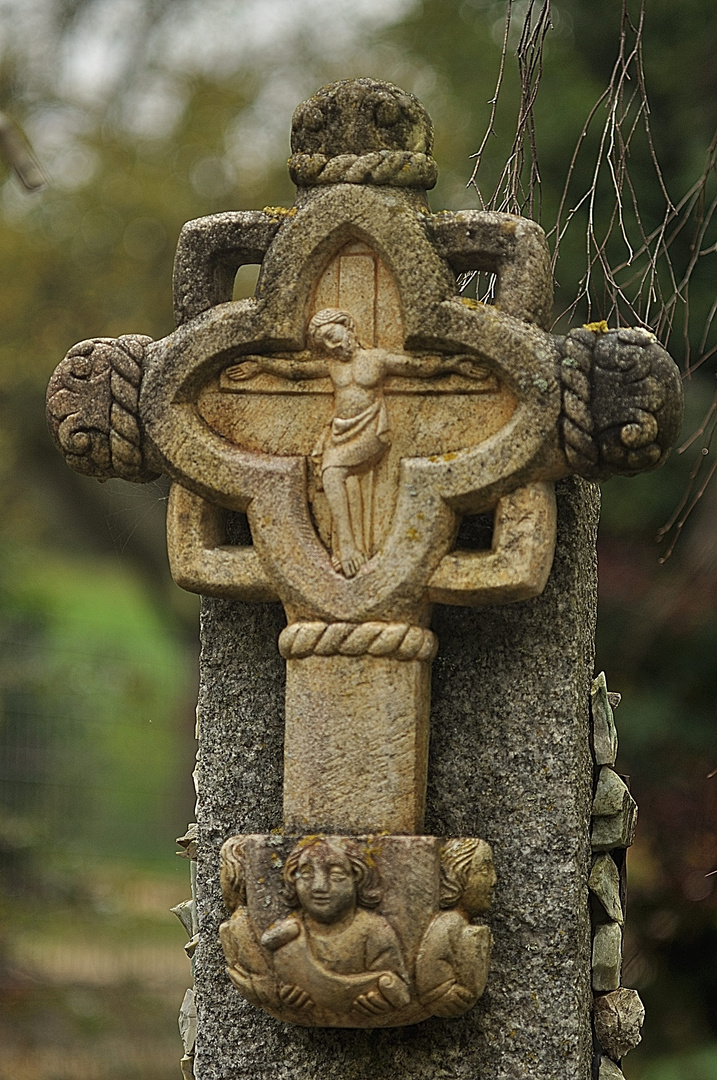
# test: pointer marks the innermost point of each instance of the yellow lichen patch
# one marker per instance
(597, 327)
(370, 861)
(469, 302)
(413, 534)
(307, 841)
(450, 456)
(373, 849)
(280, 211)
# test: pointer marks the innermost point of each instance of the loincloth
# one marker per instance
(354, 442)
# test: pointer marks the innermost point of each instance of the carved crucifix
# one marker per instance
(356, 409)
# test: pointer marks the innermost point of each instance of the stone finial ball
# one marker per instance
(361, 116)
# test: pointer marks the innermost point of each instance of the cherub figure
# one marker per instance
(358, 436)
(454, 955)
(335, 952)
(247, 966)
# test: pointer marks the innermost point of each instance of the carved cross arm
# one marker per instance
(620, 406)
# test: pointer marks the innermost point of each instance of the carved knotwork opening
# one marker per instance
(238, 530)
(245, 281)
(480, 285)
(475, 532)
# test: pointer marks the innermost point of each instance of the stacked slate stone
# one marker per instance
(186, 912)
(618, 1012)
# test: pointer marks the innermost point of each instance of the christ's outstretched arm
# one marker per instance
(276, 365)
(427, 367)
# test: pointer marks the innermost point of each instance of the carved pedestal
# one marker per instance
(369, 931)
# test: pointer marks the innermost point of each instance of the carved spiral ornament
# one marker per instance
(621, 401)
(93, 408)
(400, 641)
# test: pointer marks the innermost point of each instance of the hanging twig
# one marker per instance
(515, 191)
(634, 274)
(490, 130)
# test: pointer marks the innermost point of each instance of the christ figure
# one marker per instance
(358, 435)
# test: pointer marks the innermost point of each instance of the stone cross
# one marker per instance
(357, 409)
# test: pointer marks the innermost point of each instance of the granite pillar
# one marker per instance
(509, 761)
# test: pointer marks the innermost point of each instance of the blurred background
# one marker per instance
(145, 113)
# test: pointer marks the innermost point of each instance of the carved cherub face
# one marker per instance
(233, 872)
(481, 882)
(325, 883)
(467, 875)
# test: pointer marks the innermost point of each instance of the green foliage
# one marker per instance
(701, 1065)
(93, 688)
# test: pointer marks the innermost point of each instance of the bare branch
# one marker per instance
(518, 186)
(636, 270)
(490, 130)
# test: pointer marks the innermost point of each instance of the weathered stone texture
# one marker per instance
(618, 1021)
(604, 882)
(509, 762)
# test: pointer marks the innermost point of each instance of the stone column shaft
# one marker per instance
(509, 761)
(348, 773)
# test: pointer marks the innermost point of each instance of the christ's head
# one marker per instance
(332, 333)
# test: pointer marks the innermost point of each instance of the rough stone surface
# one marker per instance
(609, 1070)
(607, 956)
(611, 794)
(605, 884)
(510, 762)
(614, 812)
(604, 730)
(188, 1022)
(618, 1021)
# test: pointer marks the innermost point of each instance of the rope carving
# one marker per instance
(576, 419)
(396, 168)
(125, 380)
(93, 408)
(400, 641)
